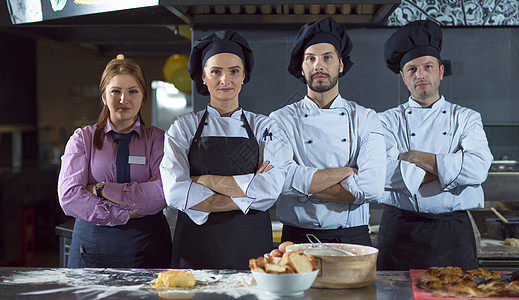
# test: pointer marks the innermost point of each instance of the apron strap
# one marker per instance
(247, 126)
(201, 125)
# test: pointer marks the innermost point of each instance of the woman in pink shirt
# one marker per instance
(110, 180)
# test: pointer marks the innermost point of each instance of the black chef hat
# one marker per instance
(225, 41)
(325, 30)
(419, 38)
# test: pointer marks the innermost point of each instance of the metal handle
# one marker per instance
(309, 236)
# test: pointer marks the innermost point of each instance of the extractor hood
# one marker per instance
(162, 27)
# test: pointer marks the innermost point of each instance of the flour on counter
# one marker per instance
(214, 282)
(98, 283)
(102, 283)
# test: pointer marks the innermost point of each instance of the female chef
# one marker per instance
(222, 166)
(110, 180)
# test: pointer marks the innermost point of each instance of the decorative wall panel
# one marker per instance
(457, 12)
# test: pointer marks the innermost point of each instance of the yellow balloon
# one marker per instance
(175, 71)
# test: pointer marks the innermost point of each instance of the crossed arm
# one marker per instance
(325, 185)
(424, 160)
(92, 188)
(224, 187)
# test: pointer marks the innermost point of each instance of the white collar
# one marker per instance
(439, 103)
(213, 112)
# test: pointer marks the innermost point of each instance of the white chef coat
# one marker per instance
(346, 134)
(452, 132)
(262, 189)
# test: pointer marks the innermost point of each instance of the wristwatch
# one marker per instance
(99, 189)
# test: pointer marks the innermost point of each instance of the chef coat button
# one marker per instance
(343, 140)
(444, 112)
(306, 115)
(342, 113)
(444, 133)
(309, 141)
(412, 134)
(205, 123)
(409, 112)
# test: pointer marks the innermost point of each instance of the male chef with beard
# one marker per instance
(437, 158)
(338, 148)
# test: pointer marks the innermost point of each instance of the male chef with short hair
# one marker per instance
(338, 149)
(437, 158)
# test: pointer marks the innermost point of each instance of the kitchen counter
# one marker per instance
(493, 254)
(491, 248)
(63, 283)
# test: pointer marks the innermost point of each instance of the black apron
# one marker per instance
(411, 240)
(352, 235)
(227, 240)
(140, 243)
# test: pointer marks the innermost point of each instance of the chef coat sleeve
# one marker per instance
(470, 163)
(73, 196)
(368, 184)
(145, 198)
(262, 190)
(401, 176)
(298, 177)
(179, 190)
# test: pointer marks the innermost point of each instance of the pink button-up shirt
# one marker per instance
(83, 164)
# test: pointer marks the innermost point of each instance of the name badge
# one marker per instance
(137, 160)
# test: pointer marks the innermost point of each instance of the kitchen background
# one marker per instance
(52, 54)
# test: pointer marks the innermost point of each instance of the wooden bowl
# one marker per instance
(341, 272)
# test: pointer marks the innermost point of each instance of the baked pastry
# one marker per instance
(456, 282)
(175, 279)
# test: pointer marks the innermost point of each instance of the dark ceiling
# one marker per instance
(166, 28)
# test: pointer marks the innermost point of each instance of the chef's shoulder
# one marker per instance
(287, 114)
(260, 122)
(186, 123)
(364, 117)
(392, 116)
(463, 113)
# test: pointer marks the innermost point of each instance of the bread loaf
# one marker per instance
(257, 264)
(298, 262)
(290, 262)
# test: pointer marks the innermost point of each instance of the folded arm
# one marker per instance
(469, 164)
(424, 160)
(225, 188)
(74, 196)
(326, 185)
